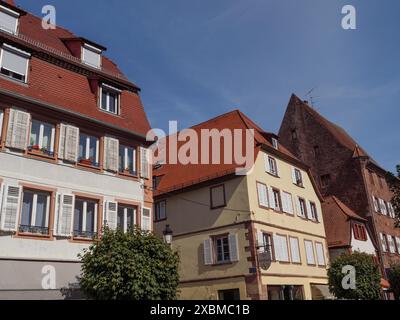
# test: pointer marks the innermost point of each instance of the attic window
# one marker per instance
(14, 63)
(274, 143)
(294, 134)
(8, 20)
(109, 99)
(91, 56)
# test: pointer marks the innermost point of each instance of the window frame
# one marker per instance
(215, 249)
(42, 124)
(126, 171)
(83, 234)
(17, 52)
(314, 211)
(150, 219)
(85, 160)
(15, 15)
(313, 252)
(88, 47)
(32, 226)
(298, 249)
(275, 143)
(288, 261)
(299, 182)
(2, 117)
(157, 208)
(109, 89)
(212, 207)
(121, 205)
(304, 207)
(316, 258)
(271, 244)
(273, 166)
(277, 196)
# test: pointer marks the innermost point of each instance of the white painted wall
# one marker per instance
(362, 246)
(15, 169)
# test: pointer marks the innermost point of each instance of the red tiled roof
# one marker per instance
(337, 221)
(178, 176)
(65, 88)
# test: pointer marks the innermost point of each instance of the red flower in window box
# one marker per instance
(86, 162)
(35, 147)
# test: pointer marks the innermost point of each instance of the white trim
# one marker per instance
(9, 11)
(1, 121)
(16, 50)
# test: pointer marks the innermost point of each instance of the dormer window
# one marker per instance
(275, 143)
(91, 56)
(14, 62)
(8, 20)
(109, 99)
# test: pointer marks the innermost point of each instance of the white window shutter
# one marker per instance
(11, 205)
(56, 214)
(18, 129)
(271, 198)
(111, 214)
(375, 202)
(294, 180)
(65, 215)
(144, 163)
(298, 207)
(398, 244)
(383, 242)
(1, 198)
(146, 219)
(111, 154)
(289, 203)
(383, 207)
(260, 241)
(208, 252)
(262, 194)
(266, 163)
(284, 199)
(278, 248)
(319, 248)
(309, 213)
(71, 143)
(233, 247)
(294, 250)
(61, 143)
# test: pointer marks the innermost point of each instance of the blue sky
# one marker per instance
(195, 59)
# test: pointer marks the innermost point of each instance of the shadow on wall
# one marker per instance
(73, 291)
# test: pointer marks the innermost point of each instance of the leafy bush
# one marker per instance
(129, 266)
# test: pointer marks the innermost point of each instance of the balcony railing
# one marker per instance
(34, 229)
(85, 234)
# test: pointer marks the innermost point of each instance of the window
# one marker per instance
(376, 204)
(222, 253)
(230, 294)
(390, 210)
(146, 219)
(380, 180)
(85, 218)
(109, 99)
(302, 210)
(273, 169)
(275, 143)
(8, 20)
(382, 206)
(285, 292)
(383, 242)
(14, 63)
(126, 217)
(35, 212)
(313, 211)
(297, 177)
(268, 245)
(309, 252)
(127, 159)
(160, 210)
(270, 165)
(319, 249)
(277, 199)
(360, 233)
(262, 192)
(392, 244)
(42, 137)
(281, 248)
(91, 56)
(221, 249)
(217, 195)
(88, 150)
(287, 203)
(144, 163)
(294, 250)
(398, 244)
(325, 180)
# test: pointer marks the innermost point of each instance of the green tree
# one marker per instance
(367, 277)
(129, 266)
(394, 185)
(394, 279)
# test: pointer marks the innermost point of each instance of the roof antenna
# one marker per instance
(311, 97)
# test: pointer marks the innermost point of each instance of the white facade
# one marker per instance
(363, 246)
